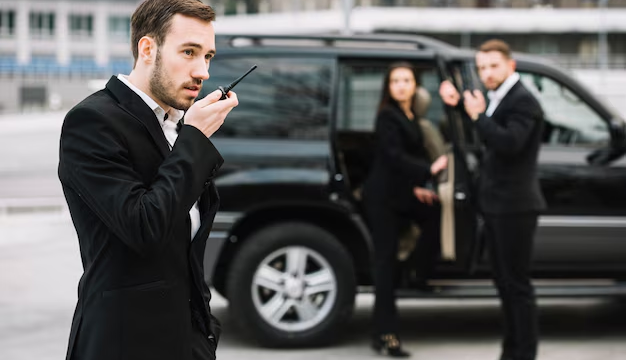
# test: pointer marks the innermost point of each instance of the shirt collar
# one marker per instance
(503, 89)
(173, 115)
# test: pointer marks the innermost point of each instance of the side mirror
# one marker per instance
(615, 149)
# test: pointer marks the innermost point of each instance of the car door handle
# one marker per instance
(460, 196)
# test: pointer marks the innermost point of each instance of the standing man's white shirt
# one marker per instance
(168, 122)
(496, 96)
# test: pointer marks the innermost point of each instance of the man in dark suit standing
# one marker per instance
(509, 193)
(139, 186)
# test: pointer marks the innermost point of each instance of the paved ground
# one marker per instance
(40, 267)
(29, 148)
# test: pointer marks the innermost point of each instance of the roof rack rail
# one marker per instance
(388, 41)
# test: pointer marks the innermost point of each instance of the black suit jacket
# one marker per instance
(129, 197)
(400, 163)
(512, 138)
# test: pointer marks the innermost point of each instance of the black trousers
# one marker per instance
(510, 242)
(386, 225)
(202, 348)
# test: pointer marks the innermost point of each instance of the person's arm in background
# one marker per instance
(391, 140)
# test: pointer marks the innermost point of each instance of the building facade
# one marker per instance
(53, 53)
(50, 50)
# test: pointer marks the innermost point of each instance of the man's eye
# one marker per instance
(189, 52)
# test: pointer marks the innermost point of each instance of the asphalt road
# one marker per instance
(40, 267)
(29, 146)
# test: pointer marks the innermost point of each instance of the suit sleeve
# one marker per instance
(94, 161)
(509, 137)
(391, 143)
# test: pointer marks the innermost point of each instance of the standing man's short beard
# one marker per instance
(162, 87)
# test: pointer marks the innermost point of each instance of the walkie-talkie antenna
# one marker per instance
(230, 86)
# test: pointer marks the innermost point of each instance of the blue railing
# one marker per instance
(42, 65)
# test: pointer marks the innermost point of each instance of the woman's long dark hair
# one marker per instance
(386, 98)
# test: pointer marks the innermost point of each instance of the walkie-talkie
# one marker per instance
(230, 86)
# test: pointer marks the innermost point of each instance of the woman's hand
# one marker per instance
(449, 94)
(440, 164)
(425, 196)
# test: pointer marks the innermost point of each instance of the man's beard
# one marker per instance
(164, 89)
(496, 84)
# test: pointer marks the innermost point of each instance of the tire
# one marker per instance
(310, 302)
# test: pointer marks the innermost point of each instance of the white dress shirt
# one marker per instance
(168, 122)
(496, 96)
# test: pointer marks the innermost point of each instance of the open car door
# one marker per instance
(461, 233)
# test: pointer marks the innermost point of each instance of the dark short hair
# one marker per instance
(154, 17)
(496, 45)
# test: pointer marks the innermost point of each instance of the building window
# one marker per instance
(81, 26)
(7, 23)
(545, 44)
(119, 27)
(41, 25)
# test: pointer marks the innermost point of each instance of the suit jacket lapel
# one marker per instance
(137, 108)
(506, 98)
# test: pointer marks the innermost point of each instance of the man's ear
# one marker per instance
(147, 50)
(512, 65)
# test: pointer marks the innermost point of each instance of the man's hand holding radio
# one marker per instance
(208, 114)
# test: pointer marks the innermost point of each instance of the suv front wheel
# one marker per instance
(291, 284)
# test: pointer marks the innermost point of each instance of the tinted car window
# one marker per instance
(569, 120)
(284, 98)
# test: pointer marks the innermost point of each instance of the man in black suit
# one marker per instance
(139, 186)
(509, 193)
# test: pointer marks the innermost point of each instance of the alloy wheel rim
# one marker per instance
(294, 288)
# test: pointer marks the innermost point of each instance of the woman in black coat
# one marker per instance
(394, 194)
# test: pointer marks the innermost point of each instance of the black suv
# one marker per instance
(290, 247)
